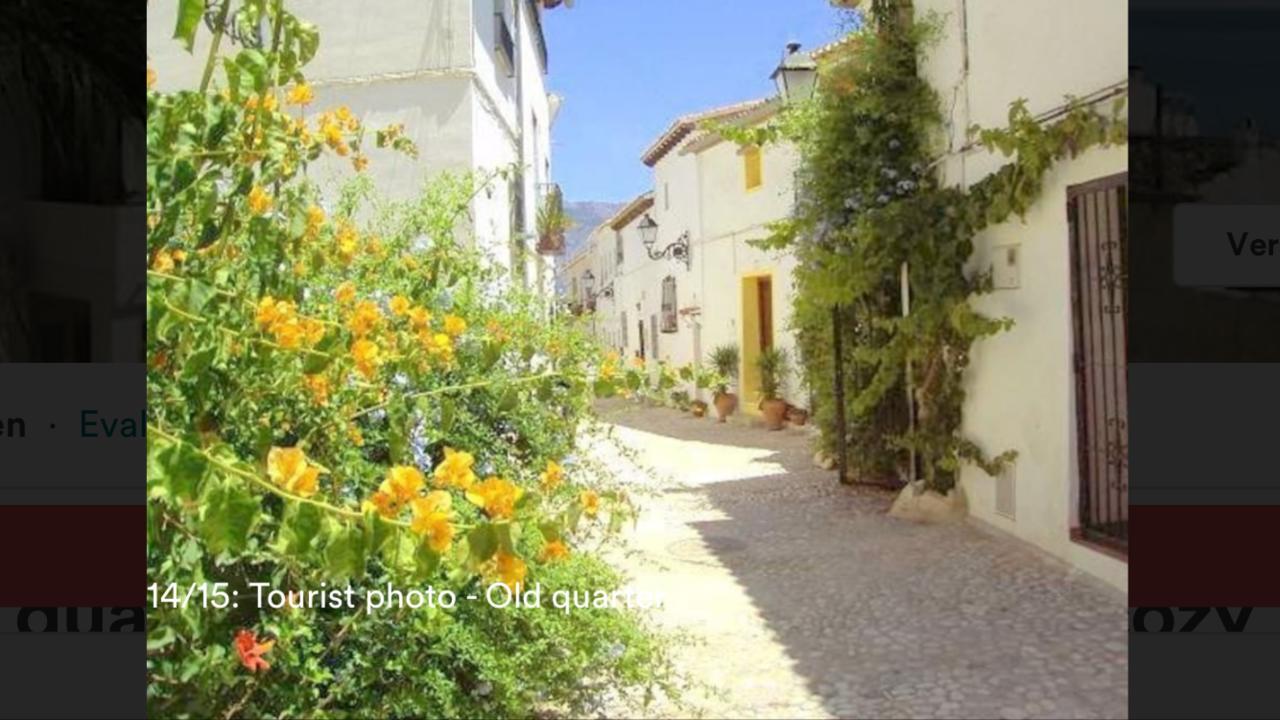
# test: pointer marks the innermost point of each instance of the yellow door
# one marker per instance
(757, 335)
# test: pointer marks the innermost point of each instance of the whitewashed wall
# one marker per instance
(1020, 385)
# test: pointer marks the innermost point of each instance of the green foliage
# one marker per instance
(307, 353)
(774, 365)
(552, 218)
(725, 359)
(872, 204)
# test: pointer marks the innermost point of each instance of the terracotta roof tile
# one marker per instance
(686, 124)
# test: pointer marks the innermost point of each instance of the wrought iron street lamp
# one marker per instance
(589, 286)
(678, 250)
(797, 74)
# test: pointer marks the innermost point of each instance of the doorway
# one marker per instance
(757, 335)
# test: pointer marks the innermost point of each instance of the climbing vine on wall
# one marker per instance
(870, 203)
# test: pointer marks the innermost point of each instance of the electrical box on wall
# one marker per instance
(1006, 266)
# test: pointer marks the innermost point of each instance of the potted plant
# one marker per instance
(773, 370)
(680, 400)
(797, 416)
(698, 408)
(725, 361)
(553, 222)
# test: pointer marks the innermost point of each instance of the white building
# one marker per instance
(1053, 387)
(716, 197)
(465, 77)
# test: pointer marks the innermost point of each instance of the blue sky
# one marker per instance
(627, 68)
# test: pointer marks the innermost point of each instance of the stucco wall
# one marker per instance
(732, 217)
(1020, 383)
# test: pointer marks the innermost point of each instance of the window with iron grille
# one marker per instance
(618, 246)
(669, 322)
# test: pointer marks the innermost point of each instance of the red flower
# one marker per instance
(251, 651)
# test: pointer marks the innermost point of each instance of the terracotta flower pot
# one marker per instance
(797, 417)
(698, 408)
(726, 403)
(775, 413)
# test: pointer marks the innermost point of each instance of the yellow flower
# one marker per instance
(348, 241)
(590, 502)
(151, 76)
(360, 162)
(431, 520)
(318, 385)
(364, 319)
(509, 569)
(553, 551)
(455, 470)
(267, 312)
(438, 346)
(315, 220)
(300, 94)
(346, 293)
(259, 200)
(366, 355)
(403, 483)
(497, 496)
(637, 362)
(288, 468)
(313, 329)
(454, 325)
(357, 437)
(552, 476)
(288, 333)
(162, 261)
(420, 318)
(382, 503)
(400, 305)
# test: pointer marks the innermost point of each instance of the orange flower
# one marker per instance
(162, 261)
(346, 293)
(288, 468)
(497, 496)
(399, 305)
(403, 483)
(251, 651)
(151, 76)
(319, 387)
(367, 357)
(315, 220)
(553, 551)
(364, 319)
(420, 317)
(431, 520)
(509, 569)
(360, 163)
(455, 470)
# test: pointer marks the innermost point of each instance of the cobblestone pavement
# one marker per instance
(803, 599)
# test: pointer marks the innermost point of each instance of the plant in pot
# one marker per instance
(725, 361)
(773, 370)
(553, 222)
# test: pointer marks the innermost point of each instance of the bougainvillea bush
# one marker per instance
(342, 392)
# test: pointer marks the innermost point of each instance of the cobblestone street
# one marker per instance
(803, 599)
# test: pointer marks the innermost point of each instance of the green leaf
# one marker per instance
(425, 562)
(189, 14)
(448, 412)
(550, 531)
(255, 63)
(302, 522)
(344, 553)
(197, 363)
(398, 419)
(483, 541)
(228, 513)
(509, 400)
(179, 470)
(377, 531)
(605, 388)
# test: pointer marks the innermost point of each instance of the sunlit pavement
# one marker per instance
(801, 598)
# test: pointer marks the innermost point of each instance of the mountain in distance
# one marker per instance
(587, 216)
